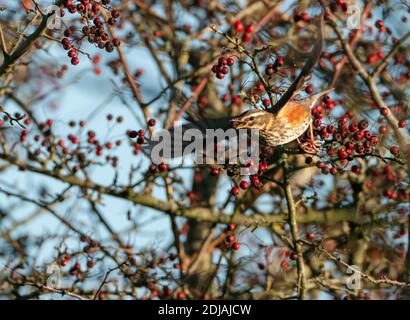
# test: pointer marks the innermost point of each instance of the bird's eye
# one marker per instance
(252, 118)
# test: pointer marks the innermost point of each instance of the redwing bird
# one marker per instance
(289, 118)
(286, 121)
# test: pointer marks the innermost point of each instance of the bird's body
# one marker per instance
(288, 124)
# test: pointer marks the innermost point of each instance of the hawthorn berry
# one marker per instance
(266, 102)
(222, 61)
(72, 53)
(309, 89)
(269, 70)
(220, 75)
(280, 61)
(310, 235)
(394, 150)
(356, 169)
(151, 122)
(384, 111)
(163, 167)
(239, 27)
(132, 134)
(75, 61)
(152, 168)
(230, 239)
(230, 61)
(234, 191)
(243, 184)
(231, 226)
(247, 37)
(382, 129)
(235, 246)
(402, 123)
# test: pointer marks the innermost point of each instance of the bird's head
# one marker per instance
(251, 119)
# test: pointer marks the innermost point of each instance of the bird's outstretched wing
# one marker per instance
(306, 72)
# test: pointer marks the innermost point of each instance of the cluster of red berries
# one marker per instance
(95, 34)
(372, 58)
(162, 167)
(343, 141)
(285, 256)
(385, 180)
(230, 237)
(140, 135)
(254, 180)
(247, 30)
(222, 68)
(271, 68)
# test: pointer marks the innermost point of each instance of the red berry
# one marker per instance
(356, 169)
(247, 37)
(230, 61)
(116, 42)
(224, 69)
(243, 184)
(266, 102)
(234, 191)
(269, 70)
(231, 226)
(163, 167)
(132, 134)
(181, 295)
(151, 122)
(236, 99)
(394, 150)
(304, 16)
(310, 235)
(115, 14)
(402, 123)
(75, 61)
(342, 154)
(379, 24)
(152, 168)
(309, 89)
(382, 129)
(259, 87)
(222, 61)
(249, 28)
(230, 239)
(238, 25)
(384, 111)
(220, 75)
(280, 61)
(235, 246)
(72, 53)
